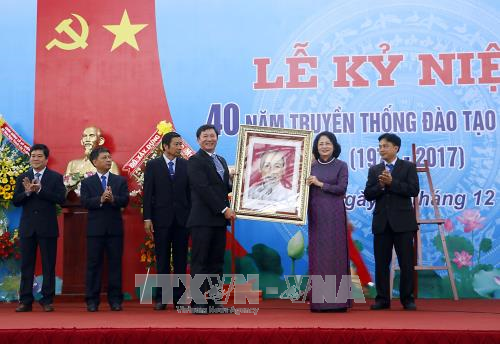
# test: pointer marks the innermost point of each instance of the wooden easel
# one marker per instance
(437, 220)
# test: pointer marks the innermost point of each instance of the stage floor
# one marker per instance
(436, 321)
(482, 315)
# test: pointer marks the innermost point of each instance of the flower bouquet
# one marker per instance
(72, 181)
(12, 164)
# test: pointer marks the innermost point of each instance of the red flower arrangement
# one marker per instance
(9, 246)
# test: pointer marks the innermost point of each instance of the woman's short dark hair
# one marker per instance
(331, 136)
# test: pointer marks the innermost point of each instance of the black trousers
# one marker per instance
(48, 252)
(171, 246)
(96, 246)
(403, 244)
(207, 252)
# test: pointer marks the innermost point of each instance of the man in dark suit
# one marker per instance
(166, 208)
(210, 212)
(38, 191)
(392, 184)
(104, 195)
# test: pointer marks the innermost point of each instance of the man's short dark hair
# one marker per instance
(206, 127)
(392, 138)
(167, 138)
(331, 136)
(94, 154)
(42, 147)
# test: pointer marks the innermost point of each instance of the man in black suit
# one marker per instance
(392, 184)
(104, 195)
(38, 191)
(166, 208)
(210, 212)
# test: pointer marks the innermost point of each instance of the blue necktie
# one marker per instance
(218, 166)
(103, 182)
(171, 169)
(390, 167)
(37, 176)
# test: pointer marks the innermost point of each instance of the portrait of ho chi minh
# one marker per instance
(272, 168)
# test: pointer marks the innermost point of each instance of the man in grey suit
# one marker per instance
(392, 184)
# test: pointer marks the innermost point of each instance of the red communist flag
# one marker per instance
(97, 64)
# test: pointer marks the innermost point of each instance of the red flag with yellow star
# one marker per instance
(97, 64)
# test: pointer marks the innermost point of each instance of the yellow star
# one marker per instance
(125, 32)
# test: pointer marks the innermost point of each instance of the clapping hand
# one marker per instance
(35, 185)
(107, 195)
(27, 184)
(385, 178)
(31, 186)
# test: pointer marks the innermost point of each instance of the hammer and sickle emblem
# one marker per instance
(79, 40)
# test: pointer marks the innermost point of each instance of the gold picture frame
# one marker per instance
(272, 165)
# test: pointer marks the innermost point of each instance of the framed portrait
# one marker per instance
(272, 165)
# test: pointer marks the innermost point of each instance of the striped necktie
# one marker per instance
(218, 166)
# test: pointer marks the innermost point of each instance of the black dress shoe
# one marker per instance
(410, 306)
(159, 306)
(91, 308)
(23, 307)
(116, 307)
(377, 306)
(48, 307)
